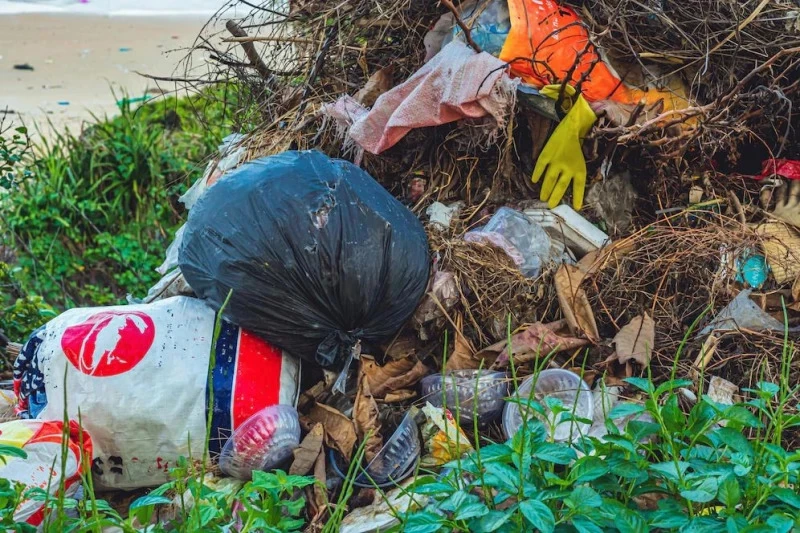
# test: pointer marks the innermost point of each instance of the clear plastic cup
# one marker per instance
(261, 442)
(394, 462)
(575, 396)
(460, 387)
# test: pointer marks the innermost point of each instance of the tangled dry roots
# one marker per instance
(492, 289)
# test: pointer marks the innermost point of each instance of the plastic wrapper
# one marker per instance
(524, 240)
(43, 442)
(444, 439)
(315, 254)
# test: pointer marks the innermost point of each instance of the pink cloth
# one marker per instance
(457, 83)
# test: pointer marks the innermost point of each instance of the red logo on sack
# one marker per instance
(109, 343)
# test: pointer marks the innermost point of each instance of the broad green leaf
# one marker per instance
(495, 452)
(499, 475)
(730, 493)
(741, 415)
(556, 453)
(423, 522)
(770, 388)
(672, 385)
(621, 410)
(471, 510)
(787, 496)
(431, 488)
(641, 383)
(702, 524)
(781, 523)
(703, 492)
(148, 500)
(456, 500)
(539, 515)
(588, 468)
(584, 524)
(491, 521)
(669, 470)
(674, 420)
(583, 497)
(734, 439)
(670, 516)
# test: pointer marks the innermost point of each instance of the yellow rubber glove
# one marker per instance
(561, 161)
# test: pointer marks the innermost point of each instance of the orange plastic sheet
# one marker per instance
(547, 40)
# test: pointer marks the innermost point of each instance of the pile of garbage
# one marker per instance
(454, 195)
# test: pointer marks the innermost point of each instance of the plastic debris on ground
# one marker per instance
(42, 441)
(385, 512)
(519, 236)
(142, 370)
(562, 394)
(457, 83)
(444, 439)
(742, 313)
(317, 257)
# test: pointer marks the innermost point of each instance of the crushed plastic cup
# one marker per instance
(393, 463)
(262, 442)
(459, 391)
(566, 386)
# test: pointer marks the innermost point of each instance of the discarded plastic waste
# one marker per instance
(385, 512)
(523, 239)
(565, 224)
(563, 385)
(742, 313)
(489, 30)
(444, 439)
(441, 215)
(43, 442)
(394, 462)
(316, 255)
(460, 387)
(262, 442)
(753, 270)
(139, 376)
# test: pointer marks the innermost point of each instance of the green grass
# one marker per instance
(90, 215)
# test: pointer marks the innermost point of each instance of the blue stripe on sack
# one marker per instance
(223, 377)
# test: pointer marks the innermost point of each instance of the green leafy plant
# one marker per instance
(666, 470)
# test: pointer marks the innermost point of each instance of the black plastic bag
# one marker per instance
(318, 255)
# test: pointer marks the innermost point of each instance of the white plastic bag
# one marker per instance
(138, 374)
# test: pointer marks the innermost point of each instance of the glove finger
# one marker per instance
(578, 190)
(539, 169)
(561, 187)
(550, 180)
(782, 198)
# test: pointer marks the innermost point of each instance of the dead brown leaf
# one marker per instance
(377, 84)
(306, 454)
(574, 302)
(316, 494)
(366, 417)
(463, 356)
(535, 340)
(636, 340)
(402, 347)
(392, 376)
(796, 290)
(402, 395)
(340, 432)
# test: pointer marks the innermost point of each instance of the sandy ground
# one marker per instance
(78, 59)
